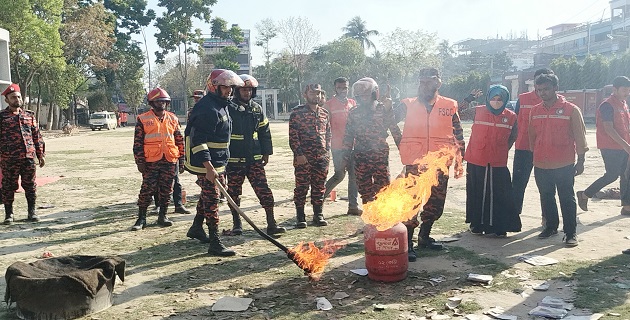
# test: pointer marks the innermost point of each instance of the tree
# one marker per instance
(88, 36)
(35, 40)
(356, 29)
(406, 52)
(267, 30)
(569, 73)
(342, 57)
(283, 77)
(176, 31)
(595, 71)
(226, 59)
(300, 37)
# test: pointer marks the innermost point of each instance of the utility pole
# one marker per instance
(146, 50)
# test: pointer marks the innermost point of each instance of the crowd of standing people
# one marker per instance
(227, 139)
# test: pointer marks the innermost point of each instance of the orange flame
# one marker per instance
(311, 259)
(401, 200)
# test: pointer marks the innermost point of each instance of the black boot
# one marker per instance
(141, 223)
(8, 213)
(237, 224)
(411, 253)
(163, 221)
(181, 209)
(32, 216)
(272, 226)
(424, 241)
(301, 218)
(318, 216)
(196, 230)
(216, 247)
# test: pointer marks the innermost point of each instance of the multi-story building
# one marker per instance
(520, 50)
(215, 45)
(606, 36)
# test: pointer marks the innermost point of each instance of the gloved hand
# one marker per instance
(141, 167)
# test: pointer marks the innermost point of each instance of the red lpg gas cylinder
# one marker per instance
(386, 253)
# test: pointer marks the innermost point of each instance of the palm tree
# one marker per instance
(356, 29)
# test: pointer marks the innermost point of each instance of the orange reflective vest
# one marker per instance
(526, 102)
(488, 142)
(426, 131)
(159, 139)
(554, 138)
(621, 123)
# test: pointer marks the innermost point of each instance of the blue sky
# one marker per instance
(453, 20)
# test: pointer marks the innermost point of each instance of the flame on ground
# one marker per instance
(312, 259)
(401, 200)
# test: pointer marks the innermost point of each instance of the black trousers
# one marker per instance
(561, 179)
(615, 162)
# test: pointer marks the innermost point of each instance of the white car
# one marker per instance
(103, 120)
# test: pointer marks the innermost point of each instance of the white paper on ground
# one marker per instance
(538, 260)
(361, 272)
(483, 278)
(548, 312)
(323, 304)
(232, 304)
(340, 295)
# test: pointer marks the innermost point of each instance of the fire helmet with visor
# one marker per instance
(365, 87)
(248, 82)
(158, 94)
(222, 77)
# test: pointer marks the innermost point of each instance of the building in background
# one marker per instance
(215, 45)
(606, 37)
(520, 50)
(5, 66)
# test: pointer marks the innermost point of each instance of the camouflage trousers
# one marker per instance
(208, 204)
(433, 209)
(12, 169)
(157, 179)
(255, 173)
(312, 174)
(372, 172)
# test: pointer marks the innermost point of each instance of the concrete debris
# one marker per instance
(232, 304)
(538, 260)
(323, 304)
(482, 278)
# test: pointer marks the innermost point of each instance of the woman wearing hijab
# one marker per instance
(489, 204)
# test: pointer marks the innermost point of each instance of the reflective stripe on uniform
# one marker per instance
(200, 147)
(218, 145)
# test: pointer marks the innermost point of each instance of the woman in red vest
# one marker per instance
(489, 200)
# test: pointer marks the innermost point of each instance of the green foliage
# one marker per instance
(176, 26)
(343, 57)
(226, 59)
(458, 87)
(357, 29)
(99, 100)
(220, 30)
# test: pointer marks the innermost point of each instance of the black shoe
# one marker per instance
(355, 212)
(196, 231)
(318, 220)
(182, 210)
(163, 221)
(411, 254)
(547, 233)
(430, 243)
(627, 251)
(570, 240)
(8, 214)
(216, 247)
(141, 223)
(8, 219)
(501, 234)
(582, 200)
(301, 218)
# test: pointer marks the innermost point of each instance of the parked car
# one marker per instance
(103, 120)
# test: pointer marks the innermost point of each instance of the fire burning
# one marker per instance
(401, 199)
(311, 259)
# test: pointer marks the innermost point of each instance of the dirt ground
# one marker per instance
(90, 210)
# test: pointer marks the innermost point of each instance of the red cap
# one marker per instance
(12, 88)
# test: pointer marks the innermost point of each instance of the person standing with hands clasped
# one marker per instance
(158, 147)
(489, 201)
(556, 134)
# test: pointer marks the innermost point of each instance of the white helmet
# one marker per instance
(364, 87)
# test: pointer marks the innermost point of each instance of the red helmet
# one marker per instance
(222, 77)
(158, 94)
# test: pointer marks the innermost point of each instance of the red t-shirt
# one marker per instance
(338, 111)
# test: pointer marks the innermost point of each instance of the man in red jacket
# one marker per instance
(556, 134)
(613, 138)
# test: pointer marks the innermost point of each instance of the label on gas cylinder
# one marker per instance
(387, 244)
